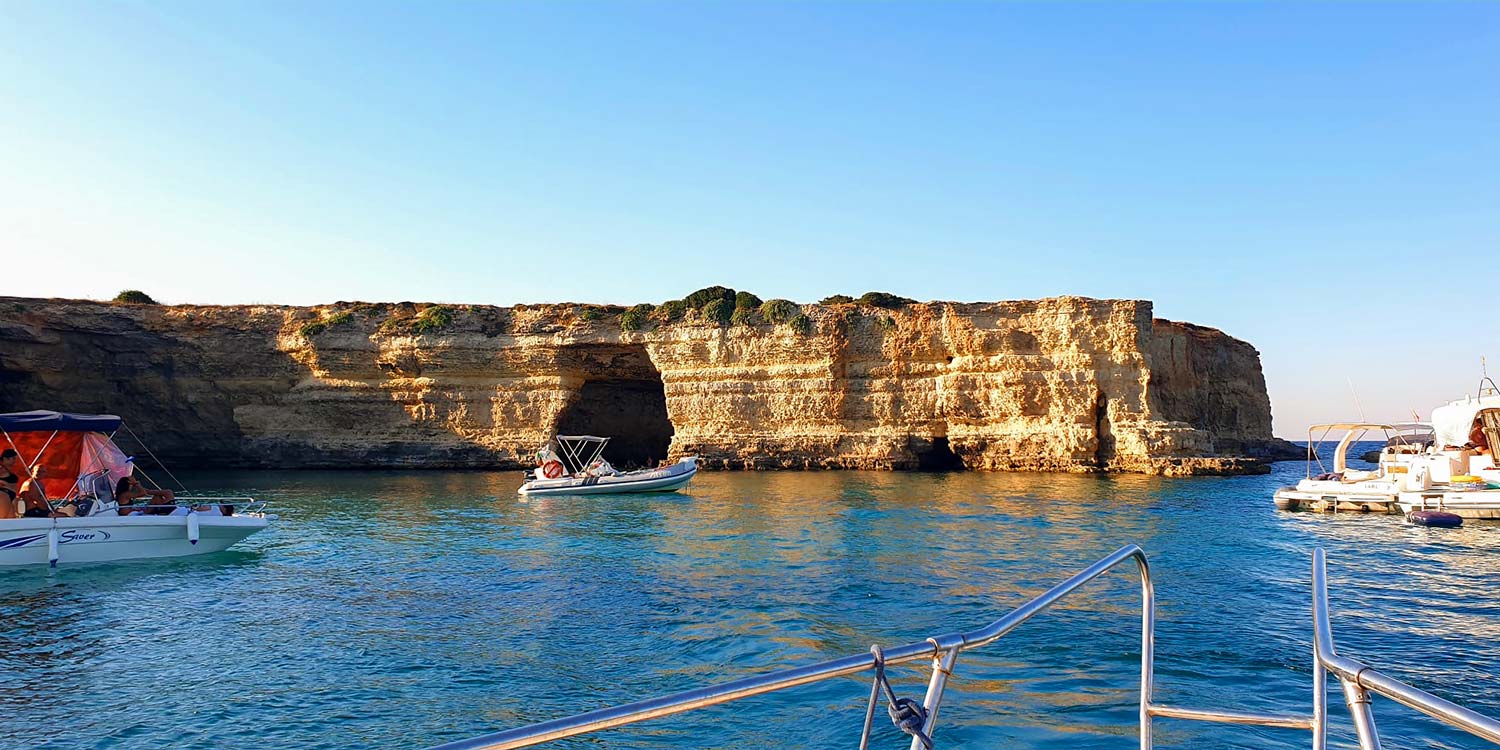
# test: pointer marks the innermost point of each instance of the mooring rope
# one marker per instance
(908, 715)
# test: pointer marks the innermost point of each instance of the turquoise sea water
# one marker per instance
(402, 609)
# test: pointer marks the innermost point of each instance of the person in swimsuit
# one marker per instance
(129, 489)
(10, 483)
(19, 484)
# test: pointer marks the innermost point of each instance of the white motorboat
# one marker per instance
(578, 468)
(1346, 489)
(1457, 475)
(80, 466)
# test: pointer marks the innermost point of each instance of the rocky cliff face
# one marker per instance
(1068, 384)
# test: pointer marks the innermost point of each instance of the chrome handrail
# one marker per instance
(1357, 679)
(936, 648)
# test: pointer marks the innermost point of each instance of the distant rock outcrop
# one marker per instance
(1068, 384)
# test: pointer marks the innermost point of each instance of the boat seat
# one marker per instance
(1354, 475)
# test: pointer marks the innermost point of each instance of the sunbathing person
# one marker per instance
(129, 489)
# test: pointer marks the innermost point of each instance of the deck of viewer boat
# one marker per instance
(1359, 681)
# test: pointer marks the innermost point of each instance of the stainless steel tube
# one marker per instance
(676, 703)
(1234, 717)
(1350, 671)
(1364, 719)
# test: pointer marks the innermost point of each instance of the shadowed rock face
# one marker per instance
(1068, 384)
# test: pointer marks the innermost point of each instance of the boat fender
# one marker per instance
(552, 469)
(52, 546)
(192, 528)
(1435, 518)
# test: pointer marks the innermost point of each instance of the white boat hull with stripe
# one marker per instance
(666, 479)
(35, 541)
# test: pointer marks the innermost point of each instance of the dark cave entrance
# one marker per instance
(937, 456)
(1105, 450)
(623, 399)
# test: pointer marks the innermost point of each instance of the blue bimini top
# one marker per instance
(56, 421)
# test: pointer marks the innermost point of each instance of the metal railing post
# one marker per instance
(1148, 649)
(1364, 719)
(1320, 704)
(942, 668)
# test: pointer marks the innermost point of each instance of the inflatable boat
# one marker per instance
(578, 468)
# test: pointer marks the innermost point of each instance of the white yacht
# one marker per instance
(578, 468)
(1459, 475)
(1337, 488)
(76, 467)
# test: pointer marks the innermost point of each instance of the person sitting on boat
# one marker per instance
(129, 489)
(10, 484)
(1478, 441)
(22, 488)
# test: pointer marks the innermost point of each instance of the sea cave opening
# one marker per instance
(937, 456)
(622, 398)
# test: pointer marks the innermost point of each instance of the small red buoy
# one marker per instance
(1435, 518)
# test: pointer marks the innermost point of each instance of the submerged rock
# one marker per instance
(1066, 384)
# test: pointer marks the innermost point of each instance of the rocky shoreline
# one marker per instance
(1062, 384)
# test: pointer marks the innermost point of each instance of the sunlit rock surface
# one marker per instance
(1069, 384)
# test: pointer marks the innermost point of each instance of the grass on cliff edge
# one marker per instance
(313, 328)
(430, 320)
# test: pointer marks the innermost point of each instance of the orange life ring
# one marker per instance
(552, 469)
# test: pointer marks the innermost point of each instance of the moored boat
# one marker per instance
(578, 467)
(1459, 475)
(75, 467)
(1339, 488)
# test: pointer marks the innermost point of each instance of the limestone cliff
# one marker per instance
(1068, 384)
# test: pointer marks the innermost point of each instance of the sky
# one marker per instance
(1321, 180)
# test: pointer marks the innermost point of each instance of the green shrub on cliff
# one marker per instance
(313, 328)
(719, 310)
(700, 299)
(672, 310)
(779, 310)
(886, 323)
(434, 318)
(884, 299)
(743, 316)
(746, 299)
(135, 297)
(591, 313)
(801, 324)
(836, 299)
(634, 319)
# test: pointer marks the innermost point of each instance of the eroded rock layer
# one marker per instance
(1069, 383)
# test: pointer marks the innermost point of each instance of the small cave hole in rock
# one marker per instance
(1106, 446)
(631, 413)
(938, 456)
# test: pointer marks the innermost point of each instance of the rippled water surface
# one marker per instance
(403, 609)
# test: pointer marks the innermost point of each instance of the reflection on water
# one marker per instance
(402, 609)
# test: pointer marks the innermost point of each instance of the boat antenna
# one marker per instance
(1484, 377)
(1360, 407)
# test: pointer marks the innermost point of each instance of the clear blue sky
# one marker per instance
(1321, 180)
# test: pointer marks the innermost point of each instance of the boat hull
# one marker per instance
(668, 479)
(1331, 496)
(1471, 504)
(29, 541)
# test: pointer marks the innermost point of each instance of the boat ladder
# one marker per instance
(1357, 679)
